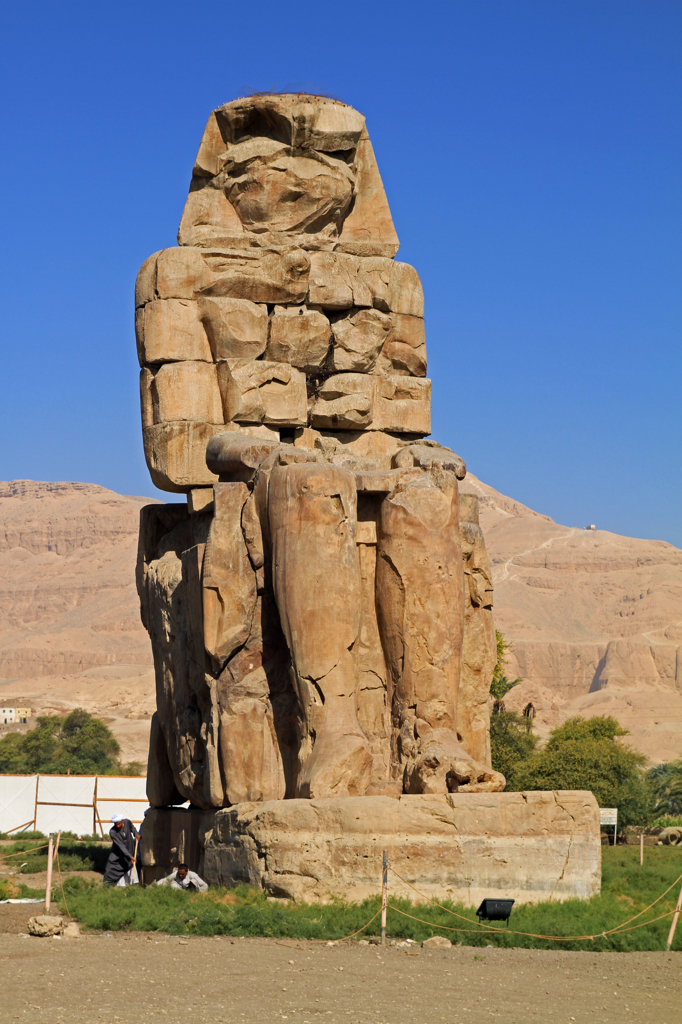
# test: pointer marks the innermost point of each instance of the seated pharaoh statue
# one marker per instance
(320, 606)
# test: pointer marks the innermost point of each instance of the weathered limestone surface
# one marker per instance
(464, 847)
(479, 650)
(320, 610)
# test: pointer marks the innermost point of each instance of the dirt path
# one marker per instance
(135, 978)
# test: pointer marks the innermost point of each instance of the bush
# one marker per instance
(511, 744)
(78, 744)
(627, 888)
(73, 856)
(666, 784)
(583, 754)
(501, 685)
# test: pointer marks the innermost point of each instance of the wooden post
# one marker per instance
(641, 849)
(134, 871)
(35, 809)
(48, 883)
(673, 926)
(384, 897)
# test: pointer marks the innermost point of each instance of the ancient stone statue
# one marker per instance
(320, 606)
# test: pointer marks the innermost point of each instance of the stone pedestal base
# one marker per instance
(524, 846)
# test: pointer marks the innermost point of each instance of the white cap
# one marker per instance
(117, 817)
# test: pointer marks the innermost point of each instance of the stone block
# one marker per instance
(146, 401)
(405, 294)
(375, 274)
(404, 352)
(211, 148)
(299, 336)
(170, 838)
(209, 219)
(236, 328)
(181, 272)
(272, 276)
(170, 331)
(336, 282)
(366, 532)
(294, 119)
(368, 230)
(145, 285)
(436, 942)
(231, 453)
(258, 275)
(72, 930)
(43, 926)
(335, 127)
(200, 499)
(176, 454)
(358, 339)
(524, 846)
(186, 391)
(259, 391)
(367, 444)
(403, 405)
(345, 402)
(348, 401)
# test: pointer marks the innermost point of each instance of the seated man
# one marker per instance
(183, 878)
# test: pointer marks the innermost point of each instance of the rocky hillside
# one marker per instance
(596, 619)
(70, 631)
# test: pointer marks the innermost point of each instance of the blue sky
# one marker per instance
(531, 155)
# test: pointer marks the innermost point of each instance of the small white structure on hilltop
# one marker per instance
(593, 527)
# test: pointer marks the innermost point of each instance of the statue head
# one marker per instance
(288, 167)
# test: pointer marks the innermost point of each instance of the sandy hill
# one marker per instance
(70, 631)
(596, 619)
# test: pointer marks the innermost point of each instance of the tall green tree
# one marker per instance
(501, 684)
(585, 754)
(666, 783)
(511, 744)
(78, 744)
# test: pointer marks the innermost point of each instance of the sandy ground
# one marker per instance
(140, 977)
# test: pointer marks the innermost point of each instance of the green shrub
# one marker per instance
(666, 784)
(627, 888)
(501, 685)
(78, 744)
(73, 856)
(511, 744)
(583, 754)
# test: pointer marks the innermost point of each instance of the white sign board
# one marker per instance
(609, 816)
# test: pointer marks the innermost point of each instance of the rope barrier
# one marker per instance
(22, 853)
(344, 939)
(509, 931)
(619, 929)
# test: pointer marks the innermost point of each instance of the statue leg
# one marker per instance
(420, 603)
(316, 580)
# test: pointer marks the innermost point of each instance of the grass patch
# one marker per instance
(626, 889)
(74, 855)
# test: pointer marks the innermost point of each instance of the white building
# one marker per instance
(8, 715)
